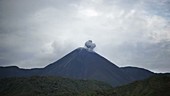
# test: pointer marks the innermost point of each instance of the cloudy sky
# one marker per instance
(34, 33)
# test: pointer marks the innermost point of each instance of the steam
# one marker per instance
(90, 45)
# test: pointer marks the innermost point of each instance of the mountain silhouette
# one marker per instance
(82, 64)
(137, 73)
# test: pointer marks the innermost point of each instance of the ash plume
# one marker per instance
(90, 45)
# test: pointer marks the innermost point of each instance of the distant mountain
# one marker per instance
(137, 73)
(49, 86)
(82, 64)
(14, 71)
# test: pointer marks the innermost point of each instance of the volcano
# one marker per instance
(87, 65)
(84, 64)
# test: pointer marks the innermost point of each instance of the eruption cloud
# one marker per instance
(90, 45)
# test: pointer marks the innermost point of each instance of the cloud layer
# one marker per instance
(127, 32)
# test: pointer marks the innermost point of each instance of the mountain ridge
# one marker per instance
(79, 64)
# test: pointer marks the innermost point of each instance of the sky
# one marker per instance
(35, 33)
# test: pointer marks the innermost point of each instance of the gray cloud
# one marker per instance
(36, 33)
(153, 56)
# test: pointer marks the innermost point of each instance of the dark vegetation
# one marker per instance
(49, 86)
(157, 85)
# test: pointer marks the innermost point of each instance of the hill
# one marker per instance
(137, 73)
(49, 86)
(157, 85)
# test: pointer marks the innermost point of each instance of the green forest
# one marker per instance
(157, 85)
